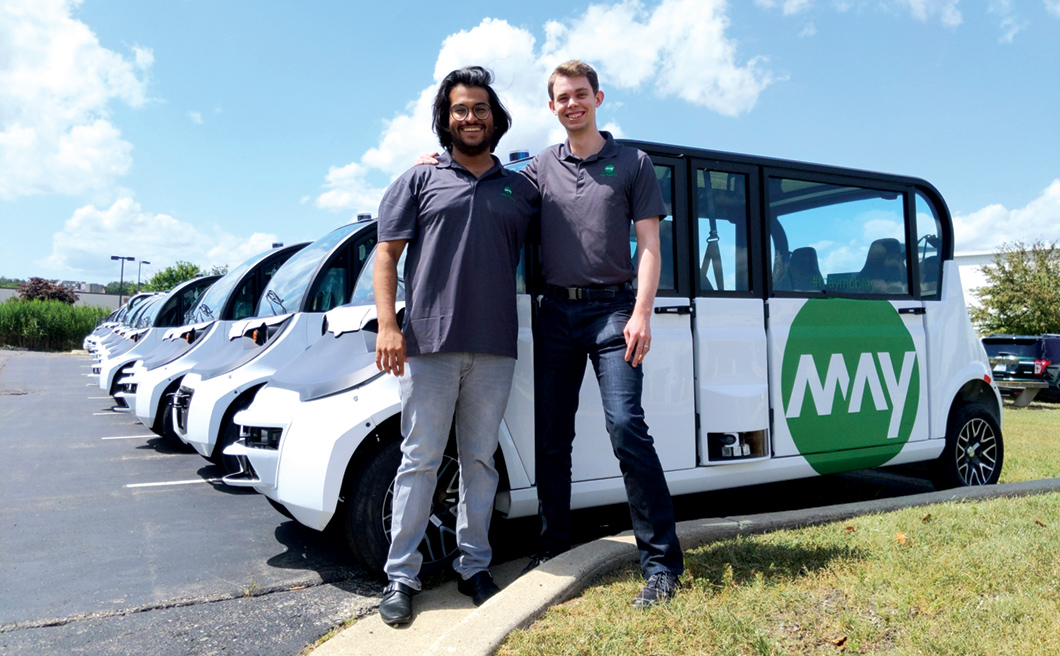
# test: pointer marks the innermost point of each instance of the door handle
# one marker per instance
(911, 310)
(674, 309)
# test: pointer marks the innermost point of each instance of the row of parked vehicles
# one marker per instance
(809, 320)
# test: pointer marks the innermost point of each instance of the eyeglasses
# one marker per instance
(460, 112)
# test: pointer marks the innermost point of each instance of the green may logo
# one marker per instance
(850, 382)
(507, 193)
(609, 171)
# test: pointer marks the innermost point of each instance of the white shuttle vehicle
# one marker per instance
(155, 378)
(113, 320)
(116, 338)
(289, 317)
(809, 320)
(168, 311)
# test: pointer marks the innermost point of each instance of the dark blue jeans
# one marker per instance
(565, 334)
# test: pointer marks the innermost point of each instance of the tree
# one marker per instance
(216, 270)
(45, 290)
(172, 276)
(1022, 291)
(10, 283)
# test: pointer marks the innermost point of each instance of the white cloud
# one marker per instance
(1053, 6)
(678, 49)
(788, 6)
(56, 82)
(196, 117)
(92, 235)
(994, 225)
(1010, 23)
(922, 10)
(809, 30)
(946, 10)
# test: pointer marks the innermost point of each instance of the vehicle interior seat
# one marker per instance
(804, 271)
(929, 275)
(884, 270)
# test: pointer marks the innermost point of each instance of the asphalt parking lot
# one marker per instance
(113, 543)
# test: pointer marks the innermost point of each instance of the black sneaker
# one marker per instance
(479, 587)
(396, 606)
(660, 589)
(535, 561)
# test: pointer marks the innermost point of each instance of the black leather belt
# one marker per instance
(594, 293)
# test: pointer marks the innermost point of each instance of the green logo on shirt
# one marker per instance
(609, 171)
(507, 193)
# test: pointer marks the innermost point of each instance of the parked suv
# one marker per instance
(1025, 360)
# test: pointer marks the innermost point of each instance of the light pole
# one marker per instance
(138, 267)
(121, 281)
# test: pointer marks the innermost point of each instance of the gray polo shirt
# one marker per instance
(587, 207)
(465, 236)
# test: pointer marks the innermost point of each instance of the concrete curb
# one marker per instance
(445, 630)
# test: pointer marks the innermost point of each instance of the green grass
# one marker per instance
(1032, 442)
(958, 578)
(46, 325)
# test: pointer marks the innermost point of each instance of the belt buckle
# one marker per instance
(574, 293)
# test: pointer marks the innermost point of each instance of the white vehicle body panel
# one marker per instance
(212, 397)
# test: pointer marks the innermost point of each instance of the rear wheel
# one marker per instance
(368, 508)
(974, 450)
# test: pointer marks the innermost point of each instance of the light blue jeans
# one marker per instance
(472, 389)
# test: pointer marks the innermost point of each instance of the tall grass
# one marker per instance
(46, 325)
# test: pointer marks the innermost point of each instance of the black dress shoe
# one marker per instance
(479, 587)
(396, 607)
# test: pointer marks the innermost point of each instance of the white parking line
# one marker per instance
(129, 437)
(196, 480)
(109, 412)
(97, 398)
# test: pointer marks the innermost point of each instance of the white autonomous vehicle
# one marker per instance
(153, 379)
(288, 318)
(809, 320)
(167, 311)
(117, 338)
(113, 320)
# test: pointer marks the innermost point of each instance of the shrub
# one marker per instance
(46, 325)
(45, 290)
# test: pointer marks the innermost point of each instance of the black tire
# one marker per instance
(974, 450)
(280, 508)
(365, 514)
(229, 435)
(167, 430)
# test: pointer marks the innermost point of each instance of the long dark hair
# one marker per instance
(469, 76)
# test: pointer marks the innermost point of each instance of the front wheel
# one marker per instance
(974, 450)
(368, 507)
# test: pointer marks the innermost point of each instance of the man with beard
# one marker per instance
(464, 222)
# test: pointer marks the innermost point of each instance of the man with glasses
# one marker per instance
(463, 222)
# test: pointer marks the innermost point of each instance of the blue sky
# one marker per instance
(204, 131)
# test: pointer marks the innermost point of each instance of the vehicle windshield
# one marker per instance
(363, 291)
(151, 309)
(213, 301)
(285, 291)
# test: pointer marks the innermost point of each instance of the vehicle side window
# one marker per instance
(664, 175)
(722, 220)
(841, 239)
(929, 241)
